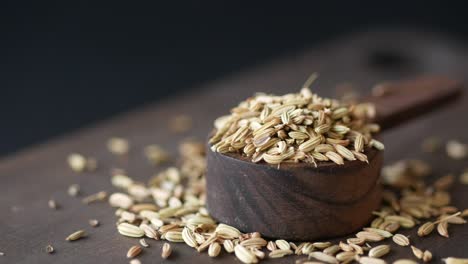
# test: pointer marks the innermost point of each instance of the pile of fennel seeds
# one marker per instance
(296, 127)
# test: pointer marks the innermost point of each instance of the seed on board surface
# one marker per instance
(149, 231)
(245, 255)
(456, 149)
(120, 200)
(228, 246)
(144, 243)
(74, 190)
(427, 256)
(323, 257)
(345, 256)
(77, 162)
(99, 196)
(130, 230)
(405, 261)
(135, 261)
(166, 251)
(214, 249)
(282, 244)
(369, 260)
(417, 252)
(402, 220)
(120, 180)
(52, 204)
(321, 245)
(76, 235)
(279, 253)
(174, 236)
(271, 245)
(379, 251)
(332, 250)
(381, 232)
(2, 253)
(118, 146)
(464, 177)
(442, 229)
(227, 231)
(426, 229)
(94, 222)
(189, 238)
(49, 249)
(401, 240)
(134, 251)
(369, 236)
(452, 260)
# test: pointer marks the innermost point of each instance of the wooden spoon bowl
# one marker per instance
(302, 202)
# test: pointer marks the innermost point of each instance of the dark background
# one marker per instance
(68, 64)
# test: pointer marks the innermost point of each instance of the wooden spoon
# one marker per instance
(302, 202)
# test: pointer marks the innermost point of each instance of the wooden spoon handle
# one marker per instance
(404, 100)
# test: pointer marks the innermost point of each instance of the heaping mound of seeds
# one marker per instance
(297, 127)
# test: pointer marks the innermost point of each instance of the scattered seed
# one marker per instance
(417, 252)
(452, 260)
(245, 255)
(370, 236)
(134, 251)
(189, 238)
(144, 243)
(464, 177)
(405, 261)
(77, 162)
(228, 246)
(74, 190)
(97, 197)
(120, 200)
(442, 229)
(166, 251)
(214, 250)
(427, 256)
(401, 240)
(76, 235)
(282, 244)
(118, 146)
(456, 150)
(94, 222)
(279, 253)
(332, 250)
(323, 257)
(425, 229)
(379, 251)
(52, 204)
(49, 249)
(135, 261)
(130, 230)
(369, 260)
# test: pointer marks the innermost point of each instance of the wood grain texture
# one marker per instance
(293, 202)
(29, 178)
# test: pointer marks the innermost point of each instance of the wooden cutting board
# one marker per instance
(31, 177)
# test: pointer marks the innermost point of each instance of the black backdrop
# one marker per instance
(64, 65)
